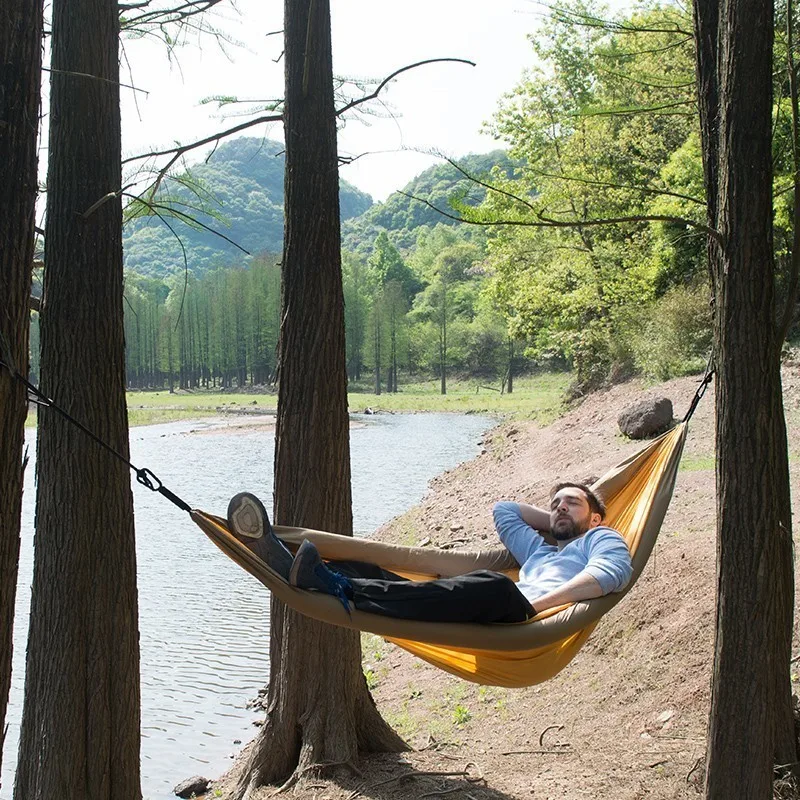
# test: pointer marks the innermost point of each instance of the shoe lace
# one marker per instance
(340, 585)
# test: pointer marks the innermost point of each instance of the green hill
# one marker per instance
(402, 217)
(240, 193)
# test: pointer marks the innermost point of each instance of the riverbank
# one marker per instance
(627, 718)
(534, 397)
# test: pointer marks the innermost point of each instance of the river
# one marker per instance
(204, 622)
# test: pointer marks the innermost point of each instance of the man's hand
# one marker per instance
(582, 587)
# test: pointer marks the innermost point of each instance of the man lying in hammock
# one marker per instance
(588, 560)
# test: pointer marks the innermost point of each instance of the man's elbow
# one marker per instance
(611, 580)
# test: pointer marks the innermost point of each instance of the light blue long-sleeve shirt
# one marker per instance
(601, 552)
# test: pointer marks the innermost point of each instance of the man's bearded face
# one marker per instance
(570, 514)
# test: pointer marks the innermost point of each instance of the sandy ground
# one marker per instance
(627, 718)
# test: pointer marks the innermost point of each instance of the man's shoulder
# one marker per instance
(604, 533)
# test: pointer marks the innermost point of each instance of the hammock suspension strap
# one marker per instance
(143, 475)
(701, 390)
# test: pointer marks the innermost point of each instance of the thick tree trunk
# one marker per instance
(20, 75)
(80, 727)
(751, 725)
(319, 709)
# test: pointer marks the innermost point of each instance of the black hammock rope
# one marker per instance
(144, 475)
(148, 478)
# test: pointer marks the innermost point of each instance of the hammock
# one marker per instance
(637, 493)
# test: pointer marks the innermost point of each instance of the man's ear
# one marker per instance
(595, 520)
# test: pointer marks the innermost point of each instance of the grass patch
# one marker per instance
(373, 647)
(697, 463)
(156, 416)
(372, 679)
(535, 397)
(461, 715)
(404, 724)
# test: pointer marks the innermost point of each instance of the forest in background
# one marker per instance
(471, 269)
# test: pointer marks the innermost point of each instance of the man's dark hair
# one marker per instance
(596, 503)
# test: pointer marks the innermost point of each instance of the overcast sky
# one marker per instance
(440, 106)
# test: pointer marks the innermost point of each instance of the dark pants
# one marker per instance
(481, 596)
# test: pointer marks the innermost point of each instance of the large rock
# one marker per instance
(645, 418)
(192, 787)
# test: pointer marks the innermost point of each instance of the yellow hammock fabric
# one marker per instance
(637, 493)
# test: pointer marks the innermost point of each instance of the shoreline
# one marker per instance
(629, 715)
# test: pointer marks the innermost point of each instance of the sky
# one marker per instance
(438, 107)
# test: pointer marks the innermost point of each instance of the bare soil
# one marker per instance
(627, 718)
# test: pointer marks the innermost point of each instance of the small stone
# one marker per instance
(666, 716)
(237, 741)
(425, 542)
(192, 786)
(454, 528)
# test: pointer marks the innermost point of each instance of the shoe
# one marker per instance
(310, 572)
(249, 523)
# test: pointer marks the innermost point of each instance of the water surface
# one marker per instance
(204, 621)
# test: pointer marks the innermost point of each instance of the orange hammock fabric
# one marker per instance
(637, 493)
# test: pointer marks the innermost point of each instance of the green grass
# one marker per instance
(535, 397)
(461, 715)
(697, 463)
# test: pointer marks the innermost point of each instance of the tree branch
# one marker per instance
(184, 217)
(574, 179)
(163, 16)
(181, 149)
(374, 95)
(649, 85)
(93, 77)
(632, 110)
(545, 222)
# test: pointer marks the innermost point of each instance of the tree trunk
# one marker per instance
(80, 726)
(377, 352)
(21, 58)
(510, 382)
(443, 341)
(751, 725)
(319, 709)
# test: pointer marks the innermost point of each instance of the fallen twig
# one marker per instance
(550, 728)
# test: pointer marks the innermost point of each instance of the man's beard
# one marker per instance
(563, 533)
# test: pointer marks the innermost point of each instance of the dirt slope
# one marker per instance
(627, 718)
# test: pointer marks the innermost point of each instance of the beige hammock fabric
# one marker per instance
(637, 493)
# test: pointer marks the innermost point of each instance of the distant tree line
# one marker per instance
(426, 315)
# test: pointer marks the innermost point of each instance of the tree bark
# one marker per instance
(751, 726)
(20, 76)
(80, 726)
(319, 709)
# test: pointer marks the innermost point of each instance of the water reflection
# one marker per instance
(204, 622)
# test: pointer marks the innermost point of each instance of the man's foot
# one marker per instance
(249, 523)
(310, 572)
